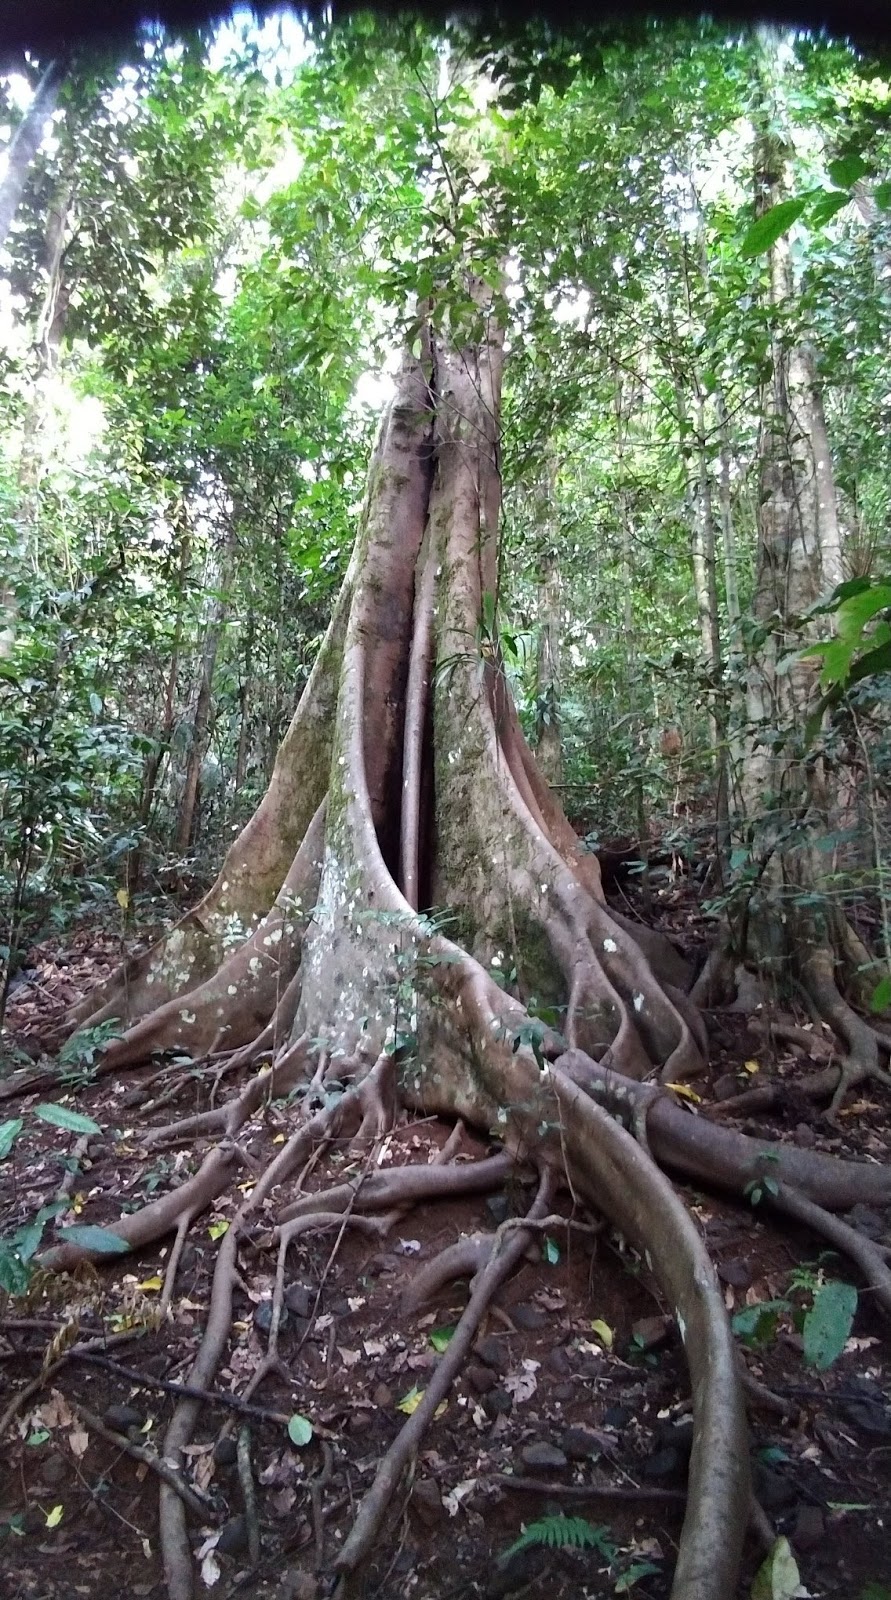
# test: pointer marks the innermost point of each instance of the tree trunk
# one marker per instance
(213, 630)
(26, 142)
(548, 743)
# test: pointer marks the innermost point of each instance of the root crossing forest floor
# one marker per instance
(574, 1402)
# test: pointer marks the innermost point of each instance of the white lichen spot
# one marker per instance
(638, 1002)
(232, 989)
(187, 1016)
(497, 958)
(610, 945)
(224, 887)
(682, 1327)
(150, 978)
(341, 761)
(254, 965)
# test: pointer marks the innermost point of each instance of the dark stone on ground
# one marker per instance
(498, 1207)
(225, 1452)
(803, 1135)
(648, 1333)
(868, 1221)
(383, 1265)
(580, 1443)
(359, 1422)
(676, 1436)
(557, 1361)
(726, 1086)
(383, 1397)
(498, 1403)
(808, 1529)
(616, 1417)
(564, 1392)
(737, 1273)
(773, 1490)
(665, 1463)
(233, 1538)
(426, 1500)
(53, 1470)
(480, 1378)
(263, 1317)
(300, 1299)
(493, 1352)
(121, 1418)
(542, 1456)
(529, 1319)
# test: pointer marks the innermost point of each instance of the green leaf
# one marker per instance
(846, 170)
(827, 205)
(440, 1338)
(828, 1324)
(881, 996)
(551, 1251)
(88, 1236)
(9, 1132)
(61, 1117)
(766, 230)
(882, 196)
(95, 703)
(300, 1430)
(778, 1578)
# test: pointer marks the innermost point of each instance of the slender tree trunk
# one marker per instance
(216, 618)
(549, 744)
(26, 142)
(164, 734)
(244, 706)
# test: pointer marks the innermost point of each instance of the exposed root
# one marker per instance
(507, 1248)
(172, 1480)
(869, 1257)
(464, 1259)
(861, 1065)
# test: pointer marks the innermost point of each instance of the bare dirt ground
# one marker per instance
(575, 1401)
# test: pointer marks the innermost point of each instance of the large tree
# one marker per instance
(409, 909)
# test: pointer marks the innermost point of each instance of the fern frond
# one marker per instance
(564, 1533)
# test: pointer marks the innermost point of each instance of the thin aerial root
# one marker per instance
(868, 1256)
(508, 1246)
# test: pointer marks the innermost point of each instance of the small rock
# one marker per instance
(543, 1456)
(616, 1417)
(803, 1135)
(383, 1397)
(383, 1265)
(481, 1379)
(737, 1273)
(122, 1418)
(498, 1207)
(665, 1463)
(726, 1087)
(263, 1317)
(53, 1470)
(426, 1500)
(869, 1416)
(492, 1351)
(300, 1299)
(808, 1529)
(868, 1222)
(648, 1333)
(563, 1392)
(592, 1368)
(134, 1097)
(498, 1403)
(772, 1489)
(340, 1308)
(676, 1436)
(359, 1422)
(557, 1361)
(528, 1318)
(233, 1538)
(298, 1586)
(580, 1443)
(225, 1452)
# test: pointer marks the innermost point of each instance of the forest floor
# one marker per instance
(575, 1400)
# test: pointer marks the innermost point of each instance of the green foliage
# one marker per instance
(564, 1533)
